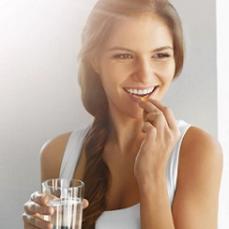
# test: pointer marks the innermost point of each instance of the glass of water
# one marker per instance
(66, 197)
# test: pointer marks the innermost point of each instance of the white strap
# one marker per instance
(172, 169)
(72, 153)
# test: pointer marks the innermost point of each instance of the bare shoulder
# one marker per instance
(51, 156)
(199, 150)
(200, 159)
(198, 184)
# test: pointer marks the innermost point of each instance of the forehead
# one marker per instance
(140, 32)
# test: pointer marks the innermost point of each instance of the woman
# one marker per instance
(131, 52)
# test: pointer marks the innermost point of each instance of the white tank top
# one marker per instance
(125, 218)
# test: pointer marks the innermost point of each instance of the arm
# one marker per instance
(36, 206)
(195, 204)
(155, 208)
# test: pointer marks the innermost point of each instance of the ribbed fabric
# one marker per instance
(125, 218)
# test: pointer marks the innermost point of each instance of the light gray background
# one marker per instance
(39, 95)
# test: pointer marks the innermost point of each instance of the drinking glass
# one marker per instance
(66, 197)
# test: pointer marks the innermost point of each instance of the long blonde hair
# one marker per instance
(96, 31)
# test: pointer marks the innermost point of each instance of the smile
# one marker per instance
(141, 92)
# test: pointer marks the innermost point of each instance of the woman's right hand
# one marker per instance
(36, 208)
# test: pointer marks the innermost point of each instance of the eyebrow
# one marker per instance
(129, 50)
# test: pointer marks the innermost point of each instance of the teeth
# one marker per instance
(149, 90)
(140, 92)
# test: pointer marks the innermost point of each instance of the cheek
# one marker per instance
(166, 71)
(120, 70)
(115, 73)
(110, 81)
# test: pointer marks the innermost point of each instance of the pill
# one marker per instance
(144, 98)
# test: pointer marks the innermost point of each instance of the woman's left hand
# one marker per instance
(161, 135)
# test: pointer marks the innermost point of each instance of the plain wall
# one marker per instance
(223, 108)
(39, 93)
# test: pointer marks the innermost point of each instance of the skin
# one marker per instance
(143, 134)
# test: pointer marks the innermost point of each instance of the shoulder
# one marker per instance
(200, 150)
(200, 157)
(199, 176)
(52, 152)
(200, 165)
(51, 155)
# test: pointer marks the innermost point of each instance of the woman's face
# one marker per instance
(137, 59)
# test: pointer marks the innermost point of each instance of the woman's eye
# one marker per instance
(123, 56)
(161, 56)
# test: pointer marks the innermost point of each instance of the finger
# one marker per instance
(167, 112)
(146, 106)
(32, 207)
(42, 198)
(151, 134)
(154, 115)
(149, 129)
(85, 203)
(157, 119)
(29, 226)
(150, 107)
(36, 221)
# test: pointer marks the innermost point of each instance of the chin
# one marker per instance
(137, 114)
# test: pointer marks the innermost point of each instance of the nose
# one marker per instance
(144, 70)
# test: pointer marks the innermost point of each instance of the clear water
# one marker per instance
(68, 213)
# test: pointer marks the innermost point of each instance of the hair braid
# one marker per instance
(96, 173)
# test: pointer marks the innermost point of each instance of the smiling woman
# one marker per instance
(142, 167)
